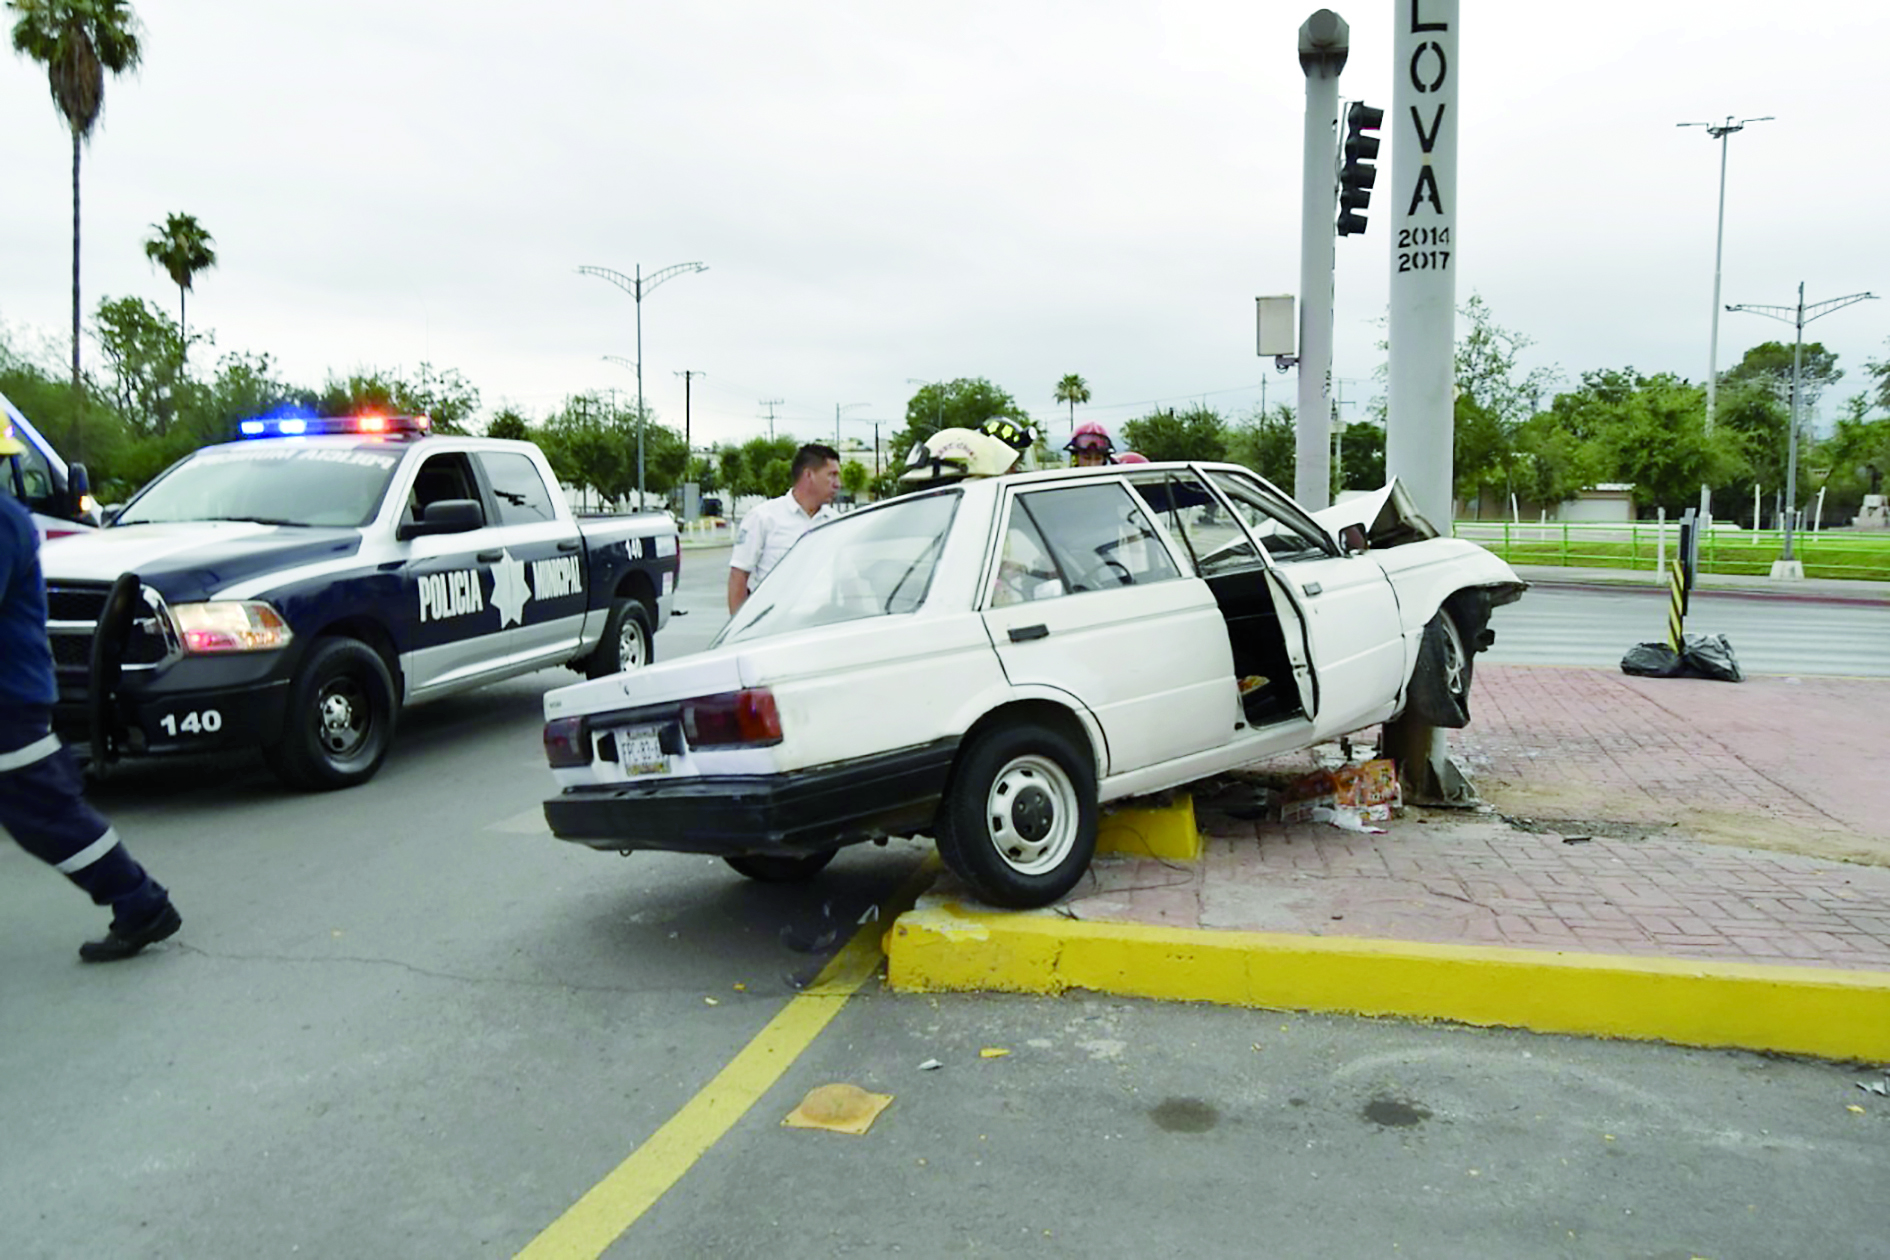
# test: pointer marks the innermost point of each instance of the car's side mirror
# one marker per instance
(78, 488)
(444, 516)
(1352, 540)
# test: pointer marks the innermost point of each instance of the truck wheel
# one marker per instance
(781, 868)
(628, 642)
(1019, 821)
(1440, 683)
(340, 719)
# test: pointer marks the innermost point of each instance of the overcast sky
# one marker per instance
(885, 192)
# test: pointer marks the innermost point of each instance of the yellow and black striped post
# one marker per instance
(1677, 607)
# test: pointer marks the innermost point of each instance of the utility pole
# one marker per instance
(837, 409)
(1789, 566)
(1324, 41)
(771, 404)
(1719, 132)
(687, 375)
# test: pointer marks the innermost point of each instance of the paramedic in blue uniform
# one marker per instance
(42, 802)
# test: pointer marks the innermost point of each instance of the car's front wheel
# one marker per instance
(340, 720)
(1440, 683)
(781, 868)
(1019, 823)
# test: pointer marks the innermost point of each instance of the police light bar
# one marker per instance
(313, 426)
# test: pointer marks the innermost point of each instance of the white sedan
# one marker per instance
(988, 662)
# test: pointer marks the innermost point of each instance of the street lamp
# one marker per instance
(1719, 132)
(635, 285)
(1789, 567)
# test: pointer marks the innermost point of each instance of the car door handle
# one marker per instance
(1312, 588)
(1023, 634)
(569, 544)
(490, 557)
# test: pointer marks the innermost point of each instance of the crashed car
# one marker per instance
(989, 662)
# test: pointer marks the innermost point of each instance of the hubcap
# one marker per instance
(1032, 814)
(342, 717)
(630, 645)
(1453, 658)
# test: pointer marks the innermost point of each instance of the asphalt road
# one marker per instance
(1563, 626)
(402, 1020)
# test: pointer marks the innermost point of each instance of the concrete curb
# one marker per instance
(942, 946)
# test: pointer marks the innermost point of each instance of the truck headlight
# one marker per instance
(230, 626)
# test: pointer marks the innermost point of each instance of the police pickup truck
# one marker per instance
(292, 590)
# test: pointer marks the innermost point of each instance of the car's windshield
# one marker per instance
(277, 483)
(870, 565)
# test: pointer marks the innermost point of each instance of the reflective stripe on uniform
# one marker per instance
(91, 852)
(37, 751)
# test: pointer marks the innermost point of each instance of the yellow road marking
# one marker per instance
(614, 1204)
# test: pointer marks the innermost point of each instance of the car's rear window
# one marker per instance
(872, 564)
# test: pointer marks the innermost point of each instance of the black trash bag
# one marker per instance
(1710, 656)
(1652, 660)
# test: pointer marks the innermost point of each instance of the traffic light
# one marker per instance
(1358, 174)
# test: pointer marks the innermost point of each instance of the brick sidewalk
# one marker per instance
(1784, 757)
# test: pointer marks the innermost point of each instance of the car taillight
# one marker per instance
(732, 719)
(566, 744)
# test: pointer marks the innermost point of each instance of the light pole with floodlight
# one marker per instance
(1719, 132)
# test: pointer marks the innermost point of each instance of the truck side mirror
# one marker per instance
(78, 489)
(444, 516)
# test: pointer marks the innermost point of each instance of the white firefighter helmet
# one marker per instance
(954, 454)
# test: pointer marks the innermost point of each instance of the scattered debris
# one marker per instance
(930, 1065)
(992, 1052)
(838, 1108)
(1854, 1107)
(1576, 839)
(1879, 1088)
(711, 1001)
(871, 915)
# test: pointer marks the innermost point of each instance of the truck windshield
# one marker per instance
(870, 565)
(275, 483)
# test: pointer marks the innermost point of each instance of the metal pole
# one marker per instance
(1719, 245)
(1323, 45)
(639, 298)
(1791, 440)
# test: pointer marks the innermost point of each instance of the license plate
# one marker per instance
(640, 750)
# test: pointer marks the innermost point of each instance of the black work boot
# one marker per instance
(123, 942)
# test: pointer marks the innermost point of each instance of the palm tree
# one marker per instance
(182, 248)
(1072, 389)
(77, 41)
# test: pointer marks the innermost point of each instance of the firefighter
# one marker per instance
(42, 800)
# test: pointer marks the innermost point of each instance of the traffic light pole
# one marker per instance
(1421, 384)
(1323, 44)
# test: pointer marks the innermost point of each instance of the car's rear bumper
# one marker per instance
(799, 811)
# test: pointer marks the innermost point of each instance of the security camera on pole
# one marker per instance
(1421, 381)
(1324, 40)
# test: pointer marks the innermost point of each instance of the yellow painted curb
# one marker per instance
(1163, 831)
(943, 947)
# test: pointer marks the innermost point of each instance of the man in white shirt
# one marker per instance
(776, 525)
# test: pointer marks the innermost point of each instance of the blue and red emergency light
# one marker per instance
(314, 426)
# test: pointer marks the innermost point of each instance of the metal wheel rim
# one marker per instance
(1454, 660)
(1024, 854)
(630, 653)
(343, 717)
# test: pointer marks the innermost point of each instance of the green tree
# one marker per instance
(1266, 442)
(961, 404)
(776, 476)
(144, 353)
(79, 42)
(731, 472)
(1072, 389)
(183, 249)
(443, 395)
(705, 472)
(757, 455)
(1197, 433)
(1879, 371)
(509, 424)
(1769, 364)
(1646, 430)
(854, 476)
(1361, 457)
(1494, 398)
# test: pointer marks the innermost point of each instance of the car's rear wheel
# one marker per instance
(628, 642)
(1019, 822)
(781, 868)
(340, 718)
(1440, 684)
